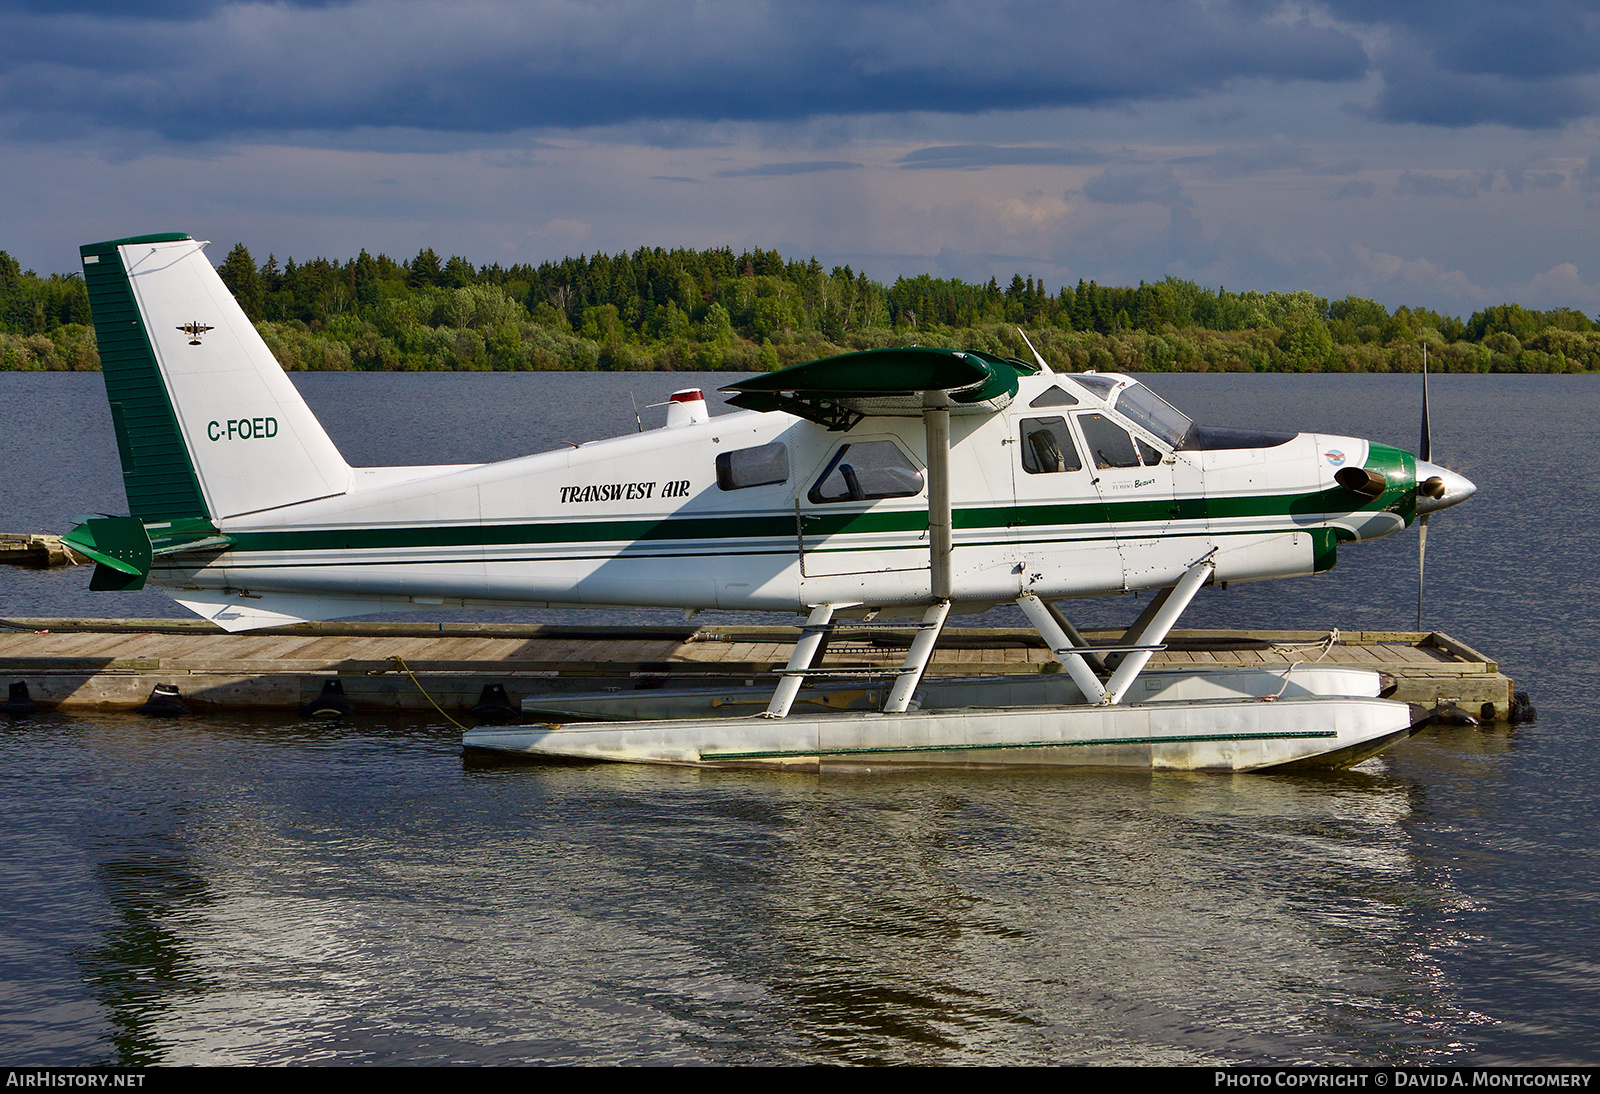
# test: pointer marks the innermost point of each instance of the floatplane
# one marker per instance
(902, 484)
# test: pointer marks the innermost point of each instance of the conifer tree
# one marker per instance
(239, 273)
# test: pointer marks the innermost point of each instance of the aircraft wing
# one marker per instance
(838, 391)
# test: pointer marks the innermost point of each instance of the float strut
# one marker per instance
(1064, 648)
(1094, 660)
(805, 653)
(1152, 626)
(917, 658)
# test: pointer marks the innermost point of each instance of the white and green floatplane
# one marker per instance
(911, 483)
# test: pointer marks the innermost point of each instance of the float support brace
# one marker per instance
(1064, 648)
(1153, 630)
(1093, 659)
(917, 658)
(806, 649)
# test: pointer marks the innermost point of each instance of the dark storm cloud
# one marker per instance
(185, 69)
(974, 156)
(133, 9)
(206, 69)
(1529, 65)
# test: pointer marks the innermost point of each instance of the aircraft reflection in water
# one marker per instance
(899, 483)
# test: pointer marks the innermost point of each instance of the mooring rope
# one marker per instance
(1323, 644)
(401, 661)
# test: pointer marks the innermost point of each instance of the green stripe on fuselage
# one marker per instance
(817, 526)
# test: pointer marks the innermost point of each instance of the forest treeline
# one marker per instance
(755, 311)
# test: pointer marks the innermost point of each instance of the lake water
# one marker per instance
(258, 889)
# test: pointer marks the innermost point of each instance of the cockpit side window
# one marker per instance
(1109, 444)
(746, 467)
(1147, 409)
(1047, 447)
(867, 471)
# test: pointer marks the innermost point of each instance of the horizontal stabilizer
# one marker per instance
(118, 544)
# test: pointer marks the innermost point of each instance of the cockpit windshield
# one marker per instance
(1154, 413)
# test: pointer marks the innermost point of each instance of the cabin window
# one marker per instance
(1053, 396)
(1147, 409)
(1047, 447)
(867, 471)
(746, 467)
(1098, 383)
(1109, 444)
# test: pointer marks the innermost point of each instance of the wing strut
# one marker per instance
(936, 424)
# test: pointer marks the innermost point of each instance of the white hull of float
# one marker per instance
(1215, 735)
(989, 692)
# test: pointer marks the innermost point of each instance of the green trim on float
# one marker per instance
(157, 474)
(1192, 738)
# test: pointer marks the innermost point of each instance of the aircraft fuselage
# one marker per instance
(643, 520)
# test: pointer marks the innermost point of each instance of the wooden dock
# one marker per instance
(37, 552)
(113, 664)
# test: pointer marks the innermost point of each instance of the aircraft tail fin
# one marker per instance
(208, 426)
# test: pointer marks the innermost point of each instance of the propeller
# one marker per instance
(1437, 487)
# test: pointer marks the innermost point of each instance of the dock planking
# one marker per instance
(110, 664)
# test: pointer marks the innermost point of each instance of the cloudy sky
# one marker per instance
(1443, 154)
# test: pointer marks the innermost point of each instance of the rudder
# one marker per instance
(207, 423)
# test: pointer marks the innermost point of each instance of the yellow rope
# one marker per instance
(401, 661)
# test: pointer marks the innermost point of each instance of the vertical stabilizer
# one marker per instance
(207, 423)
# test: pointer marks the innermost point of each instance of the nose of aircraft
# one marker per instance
(1440, 488)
